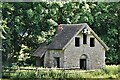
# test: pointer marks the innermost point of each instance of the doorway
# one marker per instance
(57, 62)
(83, 61)
(83, 64)
(42, 61)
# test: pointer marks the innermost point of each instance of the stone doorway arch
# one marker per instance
(83, 61)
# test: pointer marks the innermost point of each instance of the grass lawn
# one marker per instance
(109, 71)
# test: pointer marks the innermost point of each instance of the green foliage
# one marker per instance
(108, 72)
(31, 24)
(111, 69)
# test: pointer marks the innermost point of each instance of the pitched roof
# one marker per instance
(61, 40)
(41, 50)
(63, 37)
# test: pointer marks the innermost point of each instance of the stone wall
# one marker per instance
(49, 58)
(96, 55)
(37, 61)
(70, 57)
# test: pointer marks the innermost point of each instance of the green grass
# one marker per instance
(109, 71)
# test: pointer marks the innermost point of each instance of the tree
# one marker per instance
(27, 24)
(30, 24)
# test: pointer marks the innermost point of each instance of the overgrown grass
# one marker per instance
(109, 71)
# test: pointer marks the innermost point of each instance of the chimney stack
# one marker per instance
(59, 28)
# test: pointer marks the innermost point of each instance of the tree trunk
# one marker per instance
(0, 45)
(0, 57)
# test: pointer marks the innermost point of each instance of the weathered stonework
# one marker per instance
(49, 58)
(95, 55)
(70, 56)
(63, 52)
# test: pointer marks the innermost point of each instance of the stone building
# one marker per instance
(74, 46)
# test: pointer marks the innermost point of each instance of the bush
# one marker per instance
(111, 69)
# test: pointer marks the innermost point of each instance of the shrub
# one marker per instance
(111, 69)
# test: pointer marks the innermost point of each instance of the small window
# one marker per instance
(92, 42)
(77, 41)
(84, 38)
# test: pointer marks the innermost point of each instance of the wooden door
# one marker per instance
(83, 64)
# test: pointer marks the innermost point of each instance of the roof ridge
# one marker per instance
(75, 24)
